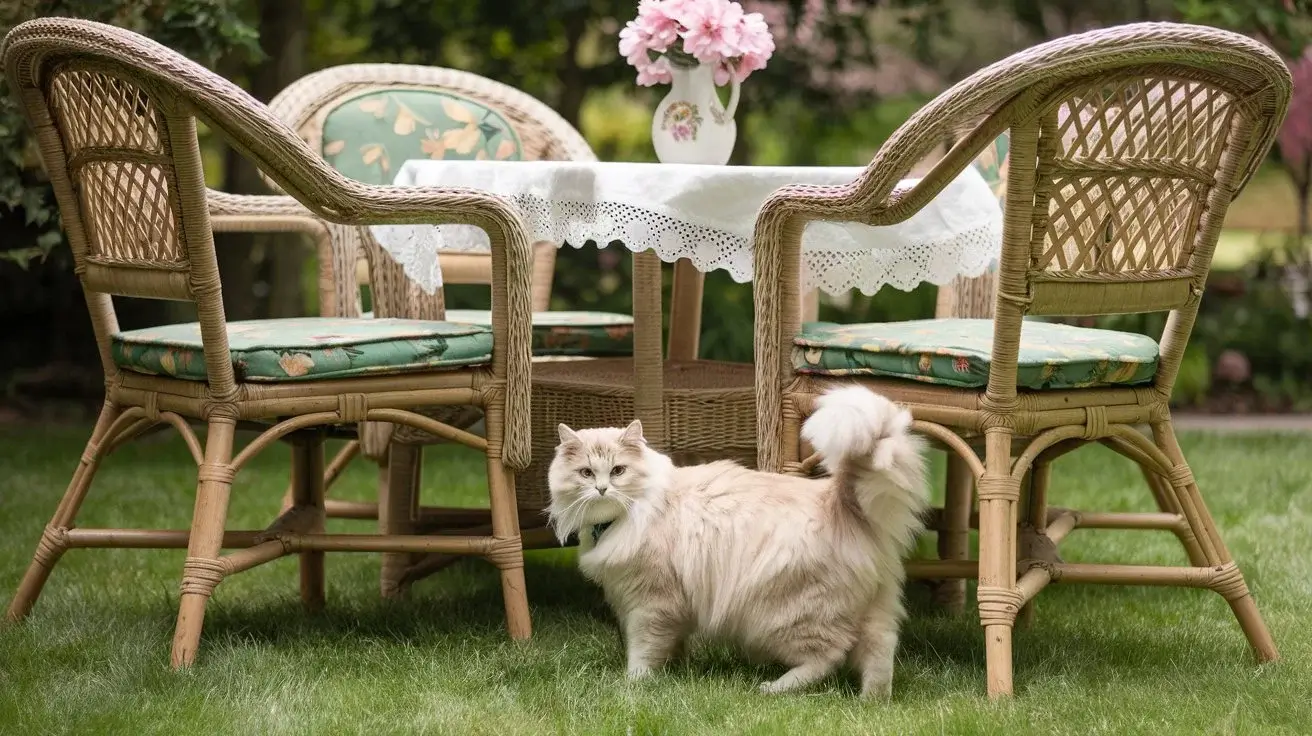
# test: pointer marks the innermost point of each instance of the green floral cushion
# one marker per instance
(368, 137)
(308, 348)
(592, 334)
(956, 352)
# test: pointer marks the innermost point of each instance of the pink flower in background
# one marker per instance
(1295, 137)
(714, 32)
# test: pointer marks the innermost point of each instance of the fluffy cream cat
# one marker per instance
(804, 571)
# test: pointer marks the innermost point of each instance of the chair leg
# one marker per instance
(954, 532)
(1036, 519)
(53, 543)
(1230, 582)
(1165, 497)
(202, 571)
(334, 470)
(398, 511)
(308, 490)
(999, 599)
(505, 526)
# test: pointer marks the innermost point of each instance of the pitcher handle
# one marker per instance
(734, 88)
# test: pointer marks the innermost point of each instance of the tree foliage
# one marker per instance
(203, 29)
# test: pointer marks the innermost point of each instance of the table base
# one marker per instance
(709, 411)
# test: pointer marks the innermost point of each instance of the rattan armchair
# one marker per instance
(115, 116)
(366, 120)
(1127, 147)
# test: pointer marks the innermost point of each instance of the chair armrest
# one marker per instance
(262, 213)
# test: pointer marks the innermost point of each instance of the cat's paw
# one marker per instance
(877, 691)
(639, 672)
(775, 687)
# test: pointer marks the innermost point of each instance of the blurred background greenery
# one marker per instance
(845, 75)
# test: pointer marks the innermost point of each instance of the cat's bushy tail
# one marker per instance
(866, 444)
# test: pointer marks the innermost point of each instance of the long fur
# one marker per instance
(807, 572)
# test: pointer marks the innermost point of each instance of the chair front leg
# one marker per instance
(202, 571)
(509, 555)
(999, 598)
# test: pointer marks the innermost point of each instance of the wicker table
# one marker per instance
(699, 218)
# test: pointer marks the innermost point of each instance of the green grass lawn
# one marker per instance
(93, 657)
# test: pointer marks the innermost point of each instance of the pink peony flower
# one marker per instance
(757, 46)
(659, 21)
(714, 30)
(634, 43)
(654, 72)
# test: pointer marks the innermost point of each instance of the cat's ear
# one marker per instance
(567, 435)
(633, 433)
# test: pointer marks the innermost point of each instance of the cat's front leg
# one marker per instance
(652, 635)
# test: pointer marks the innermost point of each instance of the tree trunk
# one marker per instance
(262, 273)
(283, 38)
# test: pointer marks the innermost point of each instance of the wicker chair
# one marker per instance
(1127, 147)
(115, 116)
(367, 119)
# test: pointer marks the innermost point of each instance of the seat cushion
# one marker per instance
(308, 348)
(593, 334)
(578, 334)
(956, 352)
(369, 136)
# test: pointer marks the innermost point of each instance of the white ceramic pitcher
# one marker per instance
(691, 126)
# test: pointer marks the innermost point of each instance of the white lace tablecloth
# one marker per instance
(705, 214)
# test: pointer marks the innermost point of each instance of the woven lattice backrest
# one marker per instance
(124, 160)
(1125, 169)
(120, 167)
(1133, 170)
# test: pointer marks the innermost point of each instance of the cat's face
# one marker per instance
(596, 476)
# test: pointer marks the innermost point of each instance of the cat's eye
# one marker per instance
(586, 472)
(618, 470)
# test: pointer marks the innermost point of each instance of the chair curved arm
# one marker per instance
(985, 104)
(35, 47)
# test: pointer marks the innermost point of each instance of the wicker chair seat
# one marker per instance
(307, 349)
(958, 352)
(566, 334)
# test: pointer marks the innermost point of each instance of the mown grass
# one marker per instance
(93, 657)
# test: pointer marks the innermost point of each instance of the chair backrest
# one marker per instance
(123, 158)
(1126, 147)
(1121, 175)
(367, 119)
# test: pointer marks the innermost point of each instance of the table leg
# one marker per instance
(810, 305)
(686, 311)
(648, 366)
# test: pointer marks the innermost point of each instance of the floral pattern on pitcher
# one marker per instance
(682, 120)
